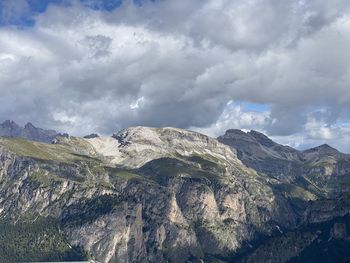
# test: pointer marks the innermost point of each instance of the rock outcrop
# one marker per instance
(171, 195)
(322, 170)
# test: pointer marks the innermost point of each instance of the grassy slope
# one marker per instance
(43, 151)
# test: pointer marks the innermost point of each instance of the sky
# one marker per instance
(279, 67)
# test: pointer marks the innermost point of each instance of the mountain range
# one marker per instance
(170, 195)
(29, 131)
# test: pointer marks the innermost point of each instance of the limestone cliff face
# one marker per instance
(166, 195)
(147, 195)
(319, 176)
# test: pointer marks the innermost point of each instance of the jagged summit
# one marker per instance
(256, 146)
(314, 165)
(251, 136)
(234, 132)
(29, 125)
(10, 128)
(323, 151)
(324, 148)
(9, 123)
(254, 141)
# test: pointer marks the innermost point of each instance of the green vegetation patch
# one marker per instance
(163, 169)
(308, 185)
(38, 240)
(44, 178)
(43, 151)
(91, 209)
(117, 174)
(127, 175)
(205, 163)
(312, 243)
(296, 192)
(207, 158)
(282, 248)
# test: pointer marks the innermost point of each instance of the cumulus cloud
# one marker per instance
(82, 68)
(237, 116)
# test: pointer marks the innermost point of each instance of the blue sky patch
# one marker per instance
(249, 106)
(40, 6)
(140, 2)
(21, 13)
(107, 5)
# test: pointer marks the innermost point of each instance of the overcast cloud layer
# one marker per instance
(195, 64)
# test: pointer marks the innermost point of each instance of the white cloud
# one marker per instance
(137, 104)
(318, 130)
(178, 63)
(235, 116)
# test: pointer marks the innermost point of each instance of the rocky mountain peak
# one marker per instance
(262, 138)
(255, 137)
(234, 133)
(29, 126)
(326, 147)
(233, 136)
(11, 129)
(259, 152)
(323, 149)
(9, 123)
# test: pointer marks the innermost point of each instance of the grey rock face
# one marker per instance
(29, 131)
(323, 170)
(259, 152)
(257, 145)
(192, 201)
(171, 195)
(92, 135)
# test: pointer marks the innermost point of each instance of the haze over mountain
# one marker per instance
(29, 131)
(172, 195)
